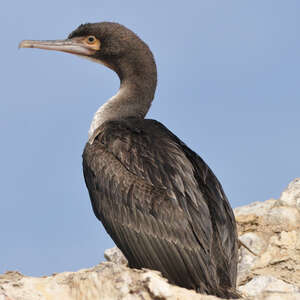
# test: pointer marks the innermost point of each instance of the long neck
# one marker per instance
(138, 83)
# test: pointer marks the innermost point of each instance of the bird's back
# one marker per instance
(162, 205)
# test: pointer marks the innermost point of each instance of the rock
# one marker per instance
(159, 288)
(255, 208)
(267, 284)
(291, 196)
(107, 281)
(116, 256)
(277, 296)
(271, 229)
(257, 244)
(283, 218)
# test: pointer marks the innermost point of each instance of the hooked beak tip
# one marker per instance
(24, 44)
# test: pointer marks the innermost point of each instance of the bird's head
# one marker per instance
(108, 43)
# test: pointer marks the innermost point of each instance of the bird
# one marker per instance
(157, 199)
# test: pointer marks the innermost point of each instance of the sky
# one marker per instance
(228, 86)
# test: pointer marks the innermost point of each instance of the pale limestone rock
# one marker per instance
(279, 228)
(115, 255)
(277, 296)
(256, 208)
(283, 218)
(257, 244)
(261, 284)
(291, 196)
(107, 281)
(159, 288)
(286, 240)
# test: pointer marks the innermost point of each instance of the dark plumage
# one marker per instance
(157, 199)
(162, 205)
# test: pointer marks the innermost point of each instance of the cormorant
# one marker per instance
(158, 200)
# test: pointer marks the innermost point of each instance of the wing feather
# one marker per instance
(160, 203)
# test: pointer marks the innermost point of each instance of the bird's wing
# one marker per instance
(153, 200)
(225, 250)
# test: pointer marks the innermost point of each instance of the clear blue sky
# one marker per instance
(229, 86)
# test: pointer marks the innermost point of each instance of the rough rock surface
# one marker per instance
(271, 229)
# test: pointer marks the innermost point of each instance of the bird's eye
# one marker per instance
(91, 39)
(91, 42)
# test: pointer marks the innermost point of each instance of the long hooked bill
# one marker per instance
(74, 46)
